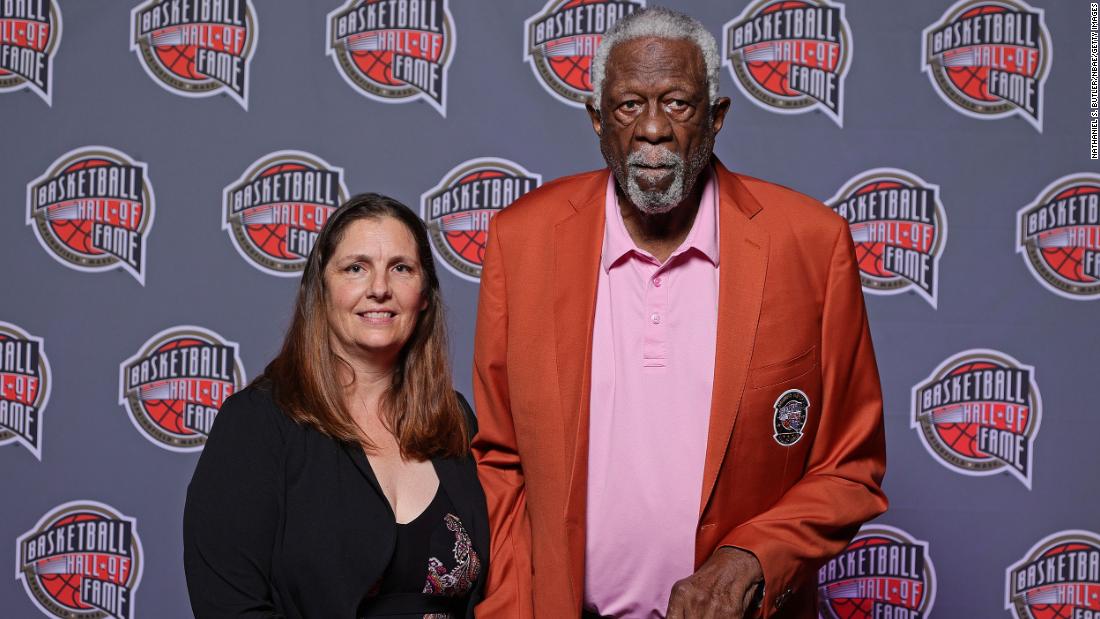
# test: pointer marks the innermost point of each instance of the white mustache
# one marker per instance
(654, 156)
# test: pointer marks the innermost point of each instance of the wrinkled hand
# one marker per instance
(723, 587)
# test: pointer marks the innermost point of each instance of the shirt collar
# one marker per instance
(703, 236)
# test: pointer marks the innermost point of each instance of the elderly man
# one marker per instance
(679, 406)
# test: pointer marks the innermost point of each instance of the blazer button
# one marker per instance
(781, 599)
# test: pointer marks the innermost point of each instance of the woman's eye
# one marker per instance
(355, 268)
(403, 268)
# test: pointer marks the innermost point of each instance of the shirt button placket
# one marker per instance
(656, 305)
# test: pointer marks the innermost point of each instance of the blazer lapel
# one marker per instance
(743, 247)
(578, 243)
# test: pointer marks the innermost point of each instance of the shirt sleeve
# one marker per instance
(232, 511)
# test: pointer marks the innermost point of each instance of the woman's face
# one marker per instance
(374, 285)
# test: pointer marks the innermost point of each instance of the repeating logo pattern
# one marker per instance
(791, 56)
(394, 51)
(560, 41)
(899, 228)
(92, 210)
(25, 381)
(1059, 236)
(883, 572)
(198, 48)
(276, 209)
(30, 33)
(989, 59)
(978, 414)
(457, 210)
(173, 387)
(1058, 577)
(83, 560)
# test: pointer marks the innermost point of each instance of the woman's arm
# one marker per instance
(232, 510)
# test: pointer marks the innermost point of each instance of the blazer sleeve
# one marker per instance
(508, 589)
(841, 488)
(232, 511)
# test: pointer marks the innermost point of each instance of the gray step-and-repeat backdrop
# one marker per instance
(167, 165)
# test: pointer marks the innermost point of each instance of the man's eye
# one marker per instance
(354, 268)
(677, 104)
(630, 106)
(403, 268)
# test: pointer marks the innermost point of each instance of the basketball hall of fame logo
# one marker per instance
(560, 41)
(883, 572)
(25, 381)
(394, 51)
(83, 560)
(899, 229)
(457, 210)
(30, 32)
(978, 413)
(1058, 577)
(276, 209)
(173, 387)
(1059, 236)
(989, 59)
(196, 48)
(791, 56)
(92, 210)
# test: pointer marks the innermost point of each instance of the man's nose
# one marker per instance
(654, 125)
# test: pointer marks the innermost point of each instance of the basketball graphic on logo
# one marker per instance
(790, 56)
(899, 229)
(1059, 236)
(457, 211)
(883, 572)
(772, 74)
(275, 211)
(978, 414)
(560, 40)
(989, 59)
(173, 387)
(869, 254)
(83, 560)
(92, 210)
(199, 52)
(1068, 261)
(31, 34)
(393, 51)
(25, 383)
(76, 234)
(1056, 578)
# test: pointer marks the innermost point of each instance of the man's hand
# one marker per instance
(723, 587)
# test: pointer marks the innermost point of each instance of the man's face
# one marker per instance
(655, 123)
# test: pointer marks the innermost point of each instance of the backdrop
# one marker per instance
(166, 167)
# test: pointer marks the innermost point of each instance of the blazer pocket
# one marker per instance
(775, 373)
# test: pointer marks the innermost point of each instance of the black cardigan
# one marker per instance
(282, 521)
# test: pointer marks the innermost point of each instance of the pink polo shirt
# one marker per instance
(652, 372)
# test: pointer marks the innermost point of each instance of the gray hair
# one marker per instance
(661, 23)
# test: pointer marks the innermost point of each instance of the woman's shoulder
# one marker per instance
(252, 412)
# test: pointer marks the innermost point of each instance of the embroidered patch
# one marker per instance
(791, 408)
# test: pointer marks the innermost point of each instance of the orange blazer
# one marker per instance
(790, 316)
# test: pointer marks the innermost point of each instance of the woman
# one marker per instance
(339, 483)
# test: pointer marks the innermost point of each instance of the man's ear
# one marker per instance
(594, 115)
(718, 113)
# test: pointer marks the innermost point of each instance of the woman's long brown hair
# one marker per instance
(420, 407)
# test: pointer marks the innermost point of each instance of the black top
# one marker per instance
(282, 521)
(433, 568)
